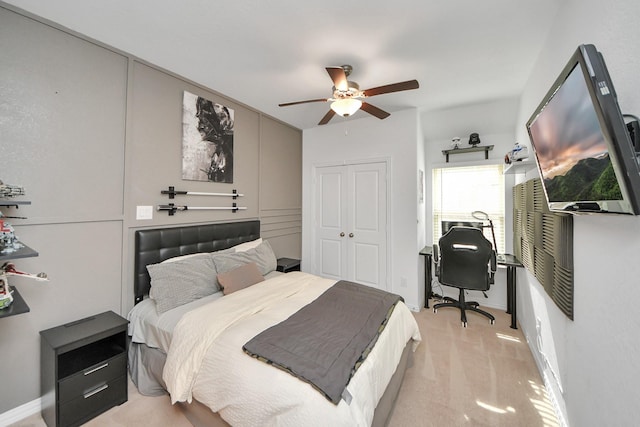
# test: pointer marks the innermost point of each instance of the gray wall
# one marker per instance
(91, 133)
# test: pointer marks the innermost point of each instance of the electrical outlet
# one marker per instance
(539, 336)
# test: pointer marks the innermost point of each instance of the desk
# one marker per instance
(507, 260)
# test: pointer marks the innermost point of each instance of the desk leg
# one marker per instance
(509, 290)
(427, 280)
(511, 296)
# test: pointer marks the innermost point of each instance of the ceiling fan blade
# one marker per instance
(327, 117)
(339, 77)
(374, 111)
(286, 104)
(394, 87)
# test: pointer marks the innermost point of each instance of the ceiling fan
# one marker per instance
(347, 95)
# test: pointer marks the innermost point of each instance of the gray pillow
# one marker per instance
(179, 282)
(262, 255)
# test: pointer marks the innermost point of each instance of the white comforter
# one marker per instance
(206, 361)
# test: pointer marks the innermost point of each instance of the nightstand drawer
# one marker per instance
(93, 402)
(92, 377)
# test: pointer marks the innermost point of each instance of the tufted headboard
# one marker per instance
(155, 245)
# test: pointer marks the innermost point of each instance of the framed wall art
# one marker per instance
(207, 140)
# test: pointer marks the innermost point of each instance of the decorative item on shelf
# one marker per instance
(474, 139)
(455, 142)
(172, 192)
(8, 191)
(517, 154)
(8, 241)
(9, 269)
(172, 208)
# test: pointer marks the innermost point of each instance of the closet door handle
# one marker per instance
(342, 234)
(350, 234)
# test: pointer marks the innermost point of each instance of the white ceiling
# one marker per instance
(265, 52)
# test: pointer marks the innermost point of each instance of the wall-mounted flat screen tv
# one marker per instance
(583, 147)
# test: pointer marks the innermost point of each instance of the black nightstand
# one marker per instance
(286, 265)
(83, 369)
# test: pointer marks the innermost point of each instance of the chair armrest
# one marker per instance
(493, 262)
(493, 266)
(436, 260)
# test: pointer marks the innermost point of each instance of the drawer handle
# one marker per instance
(96, 369)
(96, 391)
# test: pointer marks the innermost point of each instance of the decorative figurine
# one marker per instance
(517, 154)
(474, 139)
(8, 240)
(9, 269)
(7, 191)
(5, 293)
(455, 142)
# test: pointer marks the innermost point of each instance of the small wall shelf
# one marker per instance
(485, 148)
(18, 306)
(14, 202)
(523, 166)
(24, 252)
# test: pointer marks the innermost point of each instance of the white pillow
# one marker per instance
(243, 247)
(182, 257)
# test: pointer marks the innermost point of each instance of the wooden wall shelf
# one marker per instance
(485, 148)
(523, 166)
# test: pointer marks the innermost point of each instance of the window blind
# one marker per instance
(458, 191)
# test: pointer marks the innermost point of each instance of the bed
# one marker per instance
(207, 371)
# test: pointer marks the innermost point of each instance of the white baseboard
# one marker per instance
(551, 384)
(21, 412)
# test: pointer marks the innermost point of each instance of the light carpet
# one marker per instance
(481, 375)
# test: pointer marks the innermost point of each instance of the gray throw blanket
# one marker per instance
(325, 342)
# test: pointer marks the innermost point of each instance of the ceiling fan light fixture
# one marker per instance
(346, 107)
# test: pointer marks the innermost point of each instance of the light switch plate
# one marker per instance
(144, 212)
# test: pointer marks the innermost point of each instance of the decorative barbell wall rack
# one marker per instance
(172, 208)
(172, 192)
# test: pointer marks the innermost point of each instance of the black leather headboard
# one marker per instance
(156, 245)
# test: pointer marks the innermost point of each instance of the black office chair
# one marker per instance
(464, 259)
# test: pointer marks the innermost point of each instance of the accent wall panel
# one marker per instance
(62, 121)
(281, 187)
(63, 106)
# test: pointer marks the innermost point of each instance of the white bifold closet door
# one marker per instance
(351, 223)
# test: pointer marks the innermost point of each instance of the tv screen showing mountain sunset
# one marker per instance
(570, 146)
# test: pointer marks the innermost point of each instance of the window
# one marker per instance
(459, 191)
